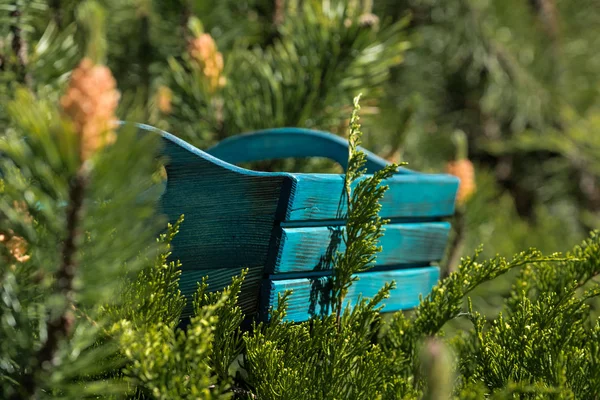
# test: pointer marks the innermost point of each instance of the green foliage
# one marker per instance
(364, 227)
(544, 342)
(227, 328)
(154, 294)
(544, 336)
(498, 70)
(321, 56)
(168, 364)
(317, 359)
(49, 347)
(333, 356)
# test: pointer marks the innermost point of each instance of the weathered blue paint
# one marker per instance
(311, 248)
(235, 218)
(317, 197)
(309, 296)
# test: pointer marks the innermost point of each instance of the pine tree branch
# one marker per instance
(364, 227)
(55, 5)
(354, 166)
(2, 57)
(279, 13)
(186, 14)
(548, 13)
(457, 244)
(62, 325)
(19, 46)
(145, 52)
(507, 60)
(238, 392)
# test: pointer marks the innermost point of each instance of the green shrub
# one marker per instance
(90, 302)
(115, 334)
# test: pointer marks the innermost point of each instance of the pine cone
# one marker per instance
(164, 97)
(91, 101)
(16, 245)
(203, 51)
(202, 47)
(463, 170)
(368, 20)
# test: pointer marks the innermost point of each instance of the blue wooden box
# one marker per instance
(284, 227)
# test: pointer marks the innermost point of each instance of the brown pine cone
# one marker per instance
(90, 102)
(203, 51)
(368, 20)
(463, 170)
(202, 47)
(164, 97)
(16, 245)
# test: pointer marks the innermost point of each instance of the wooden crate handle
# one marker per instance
(280, 143)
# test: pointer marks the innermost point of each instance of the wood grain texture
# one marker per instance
(229, 217)
(318, 197)
(312, 248)
(280, 143)
(219, 278)
(309, 297)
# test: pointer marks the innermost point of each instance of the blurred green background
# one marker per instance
(518, 77)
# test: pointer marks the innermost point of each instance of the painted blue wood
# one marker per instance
(233, 216)
(281, 143)
(219, 278)
(309, 297)
(229, 217)
(319, 197)
(312, 248)
(410, 194)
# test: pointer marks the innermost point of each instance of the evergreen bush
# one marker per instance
(89, 302)
(65, 332)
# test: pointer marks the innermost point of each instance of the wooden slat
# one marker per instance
(310, 296)
(219, 278)
(312, 248)
(317, 197)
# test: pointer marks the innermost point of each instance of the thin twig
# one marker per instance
(56, 12)
(279, 14)
(548, 14)
(457, 244)
(145, 55)
(62, 325)
(186, 14)
(2, 58)
(19, 46)
(237, 391)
